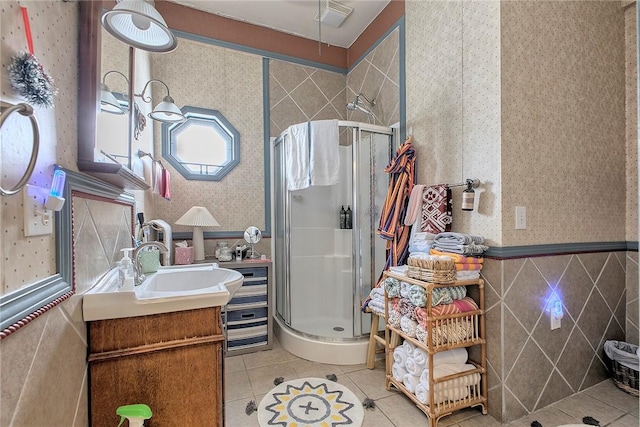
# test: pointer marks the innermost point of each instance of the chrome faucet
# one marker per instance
(137, 267)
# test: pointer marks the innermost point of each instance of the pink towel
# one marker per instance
(166, 184)
(415, 203)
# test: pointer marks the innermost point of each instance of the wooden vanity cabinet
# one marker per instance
(172, 362)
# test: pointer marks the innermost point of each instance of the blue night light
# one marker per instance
(557, 309)
(57, 186)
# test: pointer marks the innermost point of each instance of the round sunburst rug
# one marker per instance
(310, 402)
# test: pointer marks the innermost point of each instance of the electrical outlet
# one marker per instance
(521, 218)
(556, 322)
(38, 220)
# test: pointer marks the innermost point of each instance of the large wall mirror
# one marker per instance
(235, 173)
(116, 170)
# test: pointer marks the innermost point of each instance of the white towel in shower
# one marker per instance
(324, 161)
(297, 157)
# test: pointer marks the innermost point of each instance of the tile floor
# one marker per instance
(250, 376)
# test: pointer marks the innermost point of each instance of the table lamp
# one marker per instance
(198, 217)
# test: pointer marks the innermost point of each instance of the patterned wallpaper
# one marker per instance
(631, 110)
(563, 150)
(208, 76)
(57, 125)
(33, 393)
(453, 103)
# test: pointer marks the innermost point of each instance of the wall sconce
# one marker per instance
(198, 217)
(138, 24)
(166, 111)
(39, 202)
(108, 102)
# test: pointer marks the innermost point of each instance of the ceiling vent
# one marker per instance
(333, 13)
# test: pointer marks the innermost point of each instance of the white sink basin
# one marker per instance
(172, 288)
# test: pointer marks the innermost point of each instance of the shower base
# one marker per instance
(328, 350)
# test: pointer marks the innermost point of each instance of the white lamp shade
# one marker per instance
(138, 24)
(198, 216)
(167, 112)
(108, 101)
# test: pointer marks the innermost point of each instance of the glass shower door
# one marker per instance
(373, 154)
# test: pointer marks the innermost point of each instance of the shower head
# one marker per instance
(353, 106)
(357, 104)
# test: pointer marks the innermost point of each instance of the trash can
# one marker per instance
(624, 364)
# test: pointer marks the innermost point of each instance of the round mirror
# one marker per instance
(252, 235)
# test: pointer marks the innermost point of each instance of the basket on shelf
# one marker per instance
(432, 270)
(624, 364)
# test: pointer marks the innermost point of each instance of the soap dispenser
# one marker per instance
(125, 271)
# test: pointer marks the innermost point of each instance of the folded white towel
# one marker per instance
(422, 392)
(325, 155)
(399, 269)
(412, 368)
(467, 274)
(456, 356)
(297, 157)
(444, 370)
(408, 347)
(398, 371)
(377, 292)
(376, 305)
(410, 382)
(449, 390)
(400, 355)
(421, 357)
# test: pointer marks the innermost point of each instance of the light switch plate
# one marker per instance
(521, 218)
(37, 219)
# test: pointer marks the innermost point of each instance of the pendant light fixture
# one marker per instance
(138, 24)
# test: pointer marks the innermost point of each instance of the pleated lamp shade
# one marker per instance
(198, 217)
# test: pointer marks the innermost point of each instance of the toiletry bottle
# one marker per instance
(136, 414)
(349, 218)
(125, 271)
(343, 218)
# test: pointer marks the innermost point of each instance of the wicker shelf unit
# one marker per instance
(443, 333)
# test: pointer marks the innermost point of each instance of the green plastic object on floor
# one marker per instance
(136, 414)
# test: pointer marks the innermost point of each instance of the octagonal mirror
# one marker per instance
(204, 147)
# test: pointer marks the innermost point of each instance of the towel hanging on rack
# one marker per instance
(436, 209)
(166, 184)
